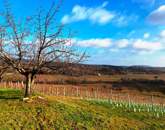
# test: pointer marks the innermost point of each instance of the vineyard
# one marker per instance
(88, 93)
(127, 101)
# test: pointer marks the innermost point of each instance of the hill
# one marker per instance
(86, 69)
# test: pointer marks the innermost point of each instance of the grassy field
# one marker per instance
(61, 113)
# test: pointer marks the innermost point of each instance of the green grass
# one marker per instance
(59, 113)
(10, 94)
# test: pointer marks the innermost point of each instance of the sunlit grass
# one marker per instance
(64, 113)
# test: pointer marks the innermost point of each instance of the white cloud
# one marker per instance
(162, 37)
(136, 45)
(96, 15)
(102, 42)
(122, 43)
(146, 35)
(162, 34)
(106, 42)
(157, 17)
(143, 45)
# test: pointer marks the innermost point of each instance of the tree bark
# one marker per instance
(1, 78)
(29, 83)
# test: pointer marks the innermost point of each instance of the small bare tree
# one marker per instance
(35, 43)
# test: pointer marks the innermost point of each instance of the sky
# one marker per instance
(113, 32)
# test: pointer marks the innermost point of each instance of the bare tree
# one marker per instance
(35, 43)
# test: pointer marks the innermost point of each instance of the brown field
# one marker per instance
(94, 78)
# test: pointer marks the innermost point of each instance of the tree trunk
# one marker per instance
(1, 78)
(29, 83)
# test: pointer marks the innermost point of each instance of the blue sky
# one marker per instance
(116, 32)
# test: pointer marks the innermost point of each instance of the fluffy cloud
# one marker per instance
(157, 17)
(162, 34)
(106, 42)
(122, 43)
(146, 45)
(96, 15)
(102, 43)
(134, 45)
(142, 45)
